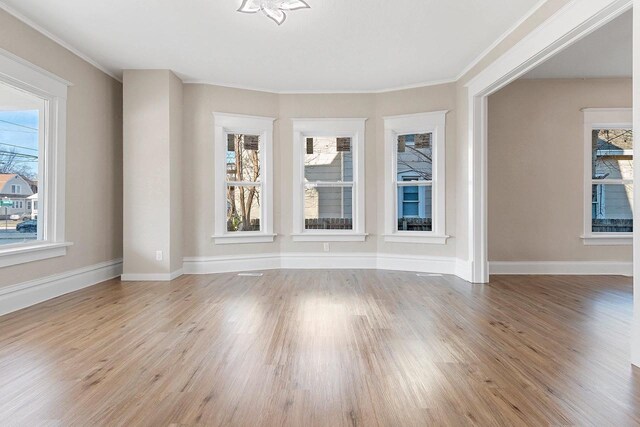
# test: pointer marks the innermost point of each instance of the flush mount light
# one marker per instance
(274, 9)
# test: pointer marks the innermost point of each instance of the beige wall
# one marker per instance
(152, 106)
(94, 154)
(536, 172)
(544, 12)
(202, 100)
(176, 224)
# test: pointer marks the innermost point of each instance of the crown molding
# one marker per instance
(499, 40)
(11, 11)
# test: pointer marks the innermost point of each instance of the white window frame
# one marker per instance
(601, 118)
(432, 122)
(225, 124)
(353, 128)
(30, 78)
(16, 189)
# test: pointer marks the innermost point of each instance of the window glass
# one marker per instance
(414, 163)
(612, 176)
(415, 156)
(21, 136)
(612, 208)
(243, 208)
(243, 158)
(612, 154)
(328, 206)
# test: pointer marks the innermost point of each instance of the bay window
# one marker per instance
(414, 172)
(244, 152)
(328, 179)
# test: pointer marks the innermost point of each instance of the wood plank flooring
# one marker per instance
(324, 348)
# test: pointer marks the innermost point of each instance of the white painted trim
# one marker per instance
(635, 324)
(321, 260)
(434, 122)
(500, 39)
(608, 240)
(31, 252)
(339, 127)
(574, 21)
(19, 296)
(592, 268)
(32, 79)
(430, 239)
(230, 264)
(329, 237)
(152, 277)
(324, 260)
(321, 92)
(241, 238)
(11, 11)
(225, 123)
(594, 118)
(421, 264)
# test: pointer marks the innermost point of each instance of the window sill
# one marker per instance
(607, 240)
(32, 252)
(329, 237)
(229, 239)
(417, 238)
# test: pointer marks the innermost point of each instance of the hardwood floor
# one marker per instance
(325, 348)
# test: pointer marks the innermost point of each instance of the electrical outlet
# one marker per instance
(326, 247)
(158, 255)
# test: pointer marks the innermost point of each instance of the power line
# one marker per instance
(16, 131)
(19, 125)
(19, 146)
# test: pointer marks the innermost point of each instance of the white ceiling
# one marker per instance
(607, 52)
(337, 45)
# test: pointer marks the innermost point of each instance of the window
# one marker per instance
(32, 140)
(414, 175)
(243, 150)
(608, 164)
(328, 179)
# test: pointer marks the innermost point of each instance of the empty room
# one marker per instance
(319, 213)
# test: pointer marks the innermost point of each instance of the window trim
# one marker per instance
(609, 118)
(225, 123)
(23, 75)
(330, 127)
(434, 122)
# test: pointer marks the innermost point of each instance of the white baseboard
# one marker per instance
(229, 264)
(319, 260)
(420, 264)
(562, 267)
(21, 295)
(152, 277)
(327, 260)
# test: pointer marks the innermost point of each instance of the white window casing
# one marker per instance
(601, 118)
(353, 128)
(434, 123)
(225, 124)
(24, 76)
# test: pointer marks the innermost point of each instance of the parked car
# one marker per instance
(14, 217)
(30, 226)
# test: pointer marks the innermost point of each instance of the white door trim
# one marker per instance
(569, 24)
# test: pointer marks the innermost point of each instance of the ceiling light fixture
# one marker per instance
(274, 9)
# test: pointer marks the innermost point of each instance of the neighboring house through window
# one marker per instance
(328, 180)
(608, 165)
(414, 175)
